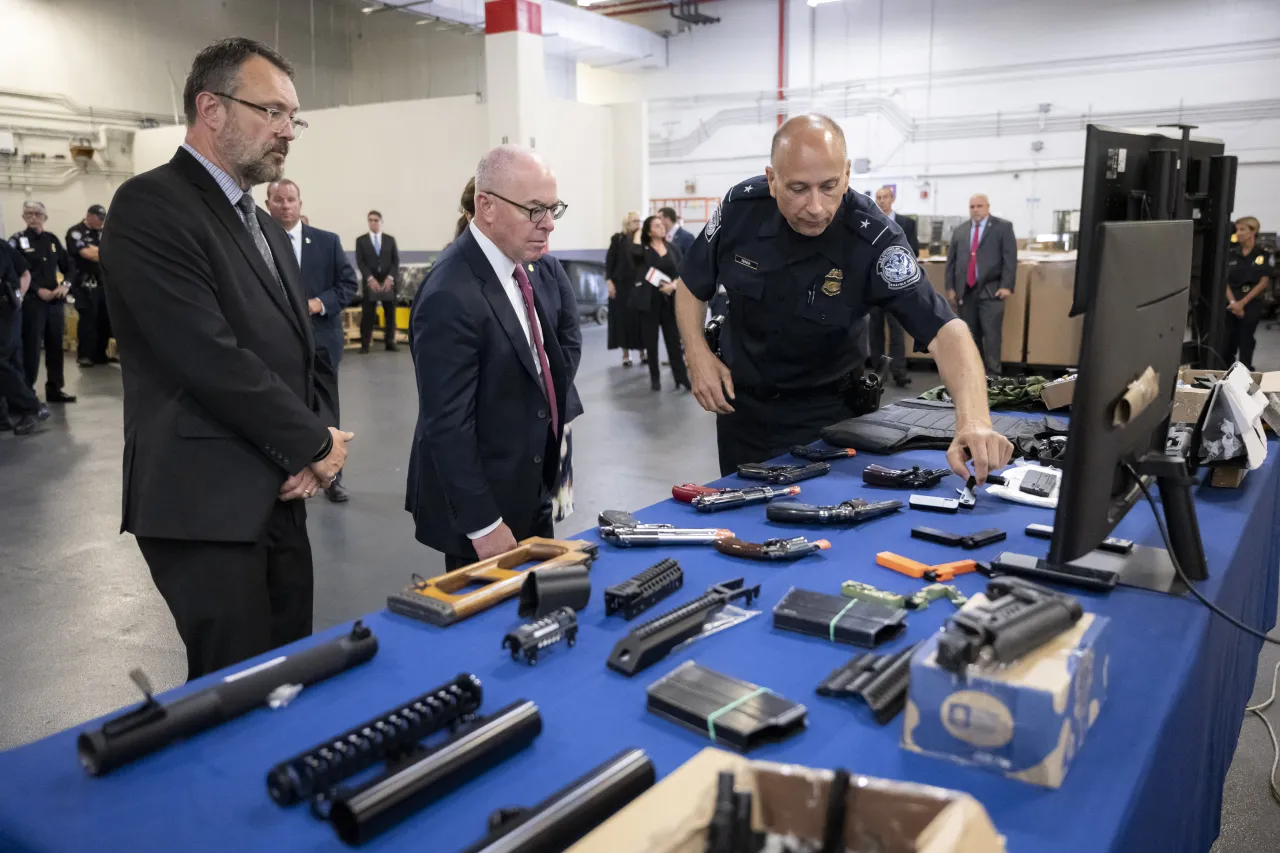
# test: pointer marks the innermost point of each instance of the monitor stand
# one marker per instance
(1144, 567)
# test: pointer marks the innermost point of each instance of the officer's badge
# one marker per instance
(831, 283)
(898, 268)
(1258, 260)
(713, 225)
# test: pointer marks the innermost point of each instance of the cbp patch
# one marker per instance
(75, 235)
(713, 225)
(898, 268)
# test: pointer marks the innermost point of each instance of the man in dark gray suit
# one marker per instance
(981, 266)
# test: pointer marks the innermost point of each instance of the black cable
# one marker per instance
(1164, 534)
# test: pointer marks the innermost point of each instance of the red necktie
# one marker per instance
(526, 291)
(971, 275)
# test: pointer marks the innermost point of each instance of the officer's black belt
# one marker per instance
(920, 424)
(769, 392)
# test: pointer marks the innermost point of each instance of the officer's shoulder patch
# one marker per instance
(713, 224)
(757, 187)
(898, 268)
(1258, 260)
(75, 235)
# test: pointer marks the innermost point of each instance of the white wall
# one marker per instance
(877, 69)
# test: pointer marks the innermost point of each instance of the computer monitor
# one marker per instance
(1133, 329)
(1139, 177)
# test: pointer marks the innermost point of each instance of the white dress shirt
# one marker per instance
(504, 268)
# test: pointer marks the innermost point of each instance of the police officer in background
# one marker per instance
(1248, 275)
(20, 410)
(43, 308)
(93, 329)
(803, 259)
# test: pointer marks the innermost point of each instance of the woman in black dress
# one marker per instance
(619, 274)
(657, 264)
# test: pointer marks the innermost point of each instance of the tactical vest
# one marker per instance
(922, 425)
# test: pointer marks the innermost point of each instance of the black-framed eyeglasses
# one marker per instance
(537, 211)
(276, 119)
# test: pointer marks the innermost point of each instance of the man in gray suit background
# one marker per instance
(982, 264)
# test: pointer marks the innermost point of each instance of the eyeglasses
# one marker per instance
(537, 211)
(276, 119)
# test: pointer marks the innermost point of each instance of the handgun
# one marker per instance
(686, 492)
(1018, 618)
(731, 498)
(621, 528)
(853, 511)
(770, 549)
(822, 454)
(782, 475)
(894, 478)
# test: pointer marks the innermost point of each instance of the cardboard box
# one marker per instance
(1227, 476)
(1026, 720)
(1053, 337)
(672, 816)
(1189, 402)
(1014, 332)
(1057, 395)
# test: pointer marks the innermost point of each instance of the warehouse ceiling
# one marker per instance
(569, 31)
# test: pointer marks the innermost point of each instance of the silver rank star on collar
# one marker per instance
(866, 222)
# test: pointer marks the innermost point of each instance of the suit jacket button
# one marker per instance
(537, 460)
(542, 413)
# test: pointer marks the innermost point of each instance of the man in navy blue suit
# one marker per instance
(677, 234)
(328, 281)
(493, 371)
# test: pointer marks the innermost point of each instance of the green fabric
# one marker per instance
(1002, 392)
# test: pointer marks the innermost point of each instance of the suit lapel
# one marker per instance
(217, 202)
(282, 251)
(986, 232)
(502, 308)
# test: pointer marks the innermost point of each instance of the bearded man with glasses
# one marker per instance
(494, 368)
(227, 421)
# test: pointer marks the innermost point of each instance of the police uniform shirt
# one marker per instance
(44, 255)
(1245, 272)
(82, 237)
(11, 269)
(796, 302)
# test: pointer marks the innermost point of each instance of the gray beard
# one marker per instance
(254, 167)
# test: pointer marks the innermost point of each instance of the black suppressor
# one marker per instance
(153, 726)
(1019, 618)
(360, 813)
(570, 813)
(325, 765)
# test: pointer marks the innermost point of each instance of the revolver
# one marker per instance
(731, 498)
(847, 512)
(782, 475)
(621, 528)
(915, 478)
(770, 549)
(686, 492)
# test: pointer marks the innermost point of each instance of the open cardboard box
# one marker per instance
(672, 816)
(1058, 394)
(1188, 403)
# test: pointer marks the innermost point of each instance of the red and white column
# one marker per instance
(515, 77)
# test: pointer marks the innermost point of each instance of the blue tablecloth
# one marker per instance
(1149, 777)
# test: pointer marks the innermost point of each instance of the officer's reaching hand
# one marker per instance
(988, 449)
(711, 378)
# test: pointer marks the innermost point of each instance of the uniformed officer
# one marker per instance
(43, 311)
(16, 399)
(93, 329)
(803, 258)
(1249, 273)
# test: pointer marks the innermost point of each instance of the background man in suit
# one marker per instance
(328, 283)
(982, 264)
(379, 263)
(224, 420)
(885, 196)
(677, 234)
(493, 377)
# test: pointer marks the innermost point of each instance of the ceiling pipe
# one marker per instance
(782, 55)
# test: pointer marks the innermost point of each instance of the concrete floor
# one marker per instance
(78, 610)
